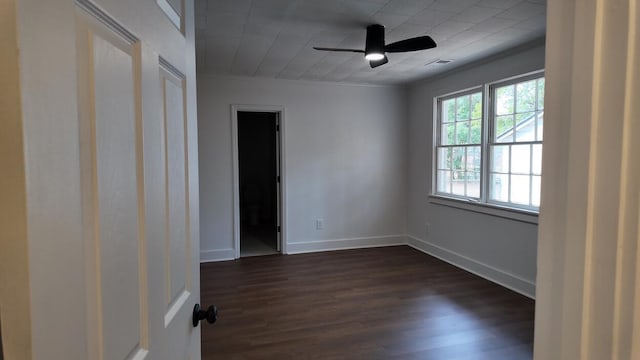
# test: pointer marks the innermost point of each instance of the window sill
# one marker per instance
(489, 209)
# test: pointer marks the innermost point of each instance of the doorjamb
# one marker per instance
(236, 172)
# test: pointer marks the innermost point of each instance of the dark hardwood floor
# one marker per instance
(380, 303)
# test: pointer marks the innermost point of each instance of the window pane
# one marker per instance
(444, 159)
(525, 117)
(457, 184)
(504, 100)
(462, 133)
(447, 134)
(541, 93)
(449, 110)
(526, 128)
(536, 166)
(504, 128)
(462, 104)
(535, 191)
(473, 158)
(526, 134)
(476, 106)
(500, 159)
(520, 189)
(458, 158)
(473, 184)
(540, 125)
(526, 96)
(499, 187)
(521, 159)
(476, 131)
(444, 181)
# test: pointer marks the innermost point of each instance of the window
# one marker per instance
(509, 131)
(459, 148)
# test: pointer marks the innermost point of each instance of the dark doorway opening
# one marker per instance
(258, 168)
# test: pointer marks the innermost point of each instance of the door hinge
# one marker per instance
(278, 228)
(278, 178)
(277, 127)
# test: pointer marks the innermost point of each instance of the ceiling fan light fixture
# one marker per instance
(375, 46)
(374, 56)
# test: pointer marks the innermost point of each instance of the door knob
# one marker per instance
(211, 314)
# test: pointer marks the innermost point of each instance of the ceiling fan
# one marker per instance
(375, 48)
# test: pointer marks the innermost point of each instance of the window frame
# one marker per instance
(490, 89)
(438, 136)
(482, 204)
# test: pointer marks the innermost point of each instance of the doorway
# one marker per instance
(258, 182)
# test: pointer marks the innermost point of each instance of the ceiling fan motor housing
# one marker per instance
(375, 40)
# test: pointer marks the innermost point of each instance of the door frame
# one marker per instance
(280, 112)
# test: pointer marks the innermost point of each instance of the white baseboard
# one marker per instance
(217, 255)
(500, 277)
(344, 244)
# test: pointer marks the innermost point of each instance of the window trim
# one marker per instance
(482, 205)
(522, 215)
(437, 136)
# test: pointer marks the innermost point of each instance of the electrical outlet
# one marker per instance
(319, 224)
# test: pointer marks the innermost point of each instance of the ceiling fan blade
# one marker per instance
(376, 63)
(342, 50)
(413, 44)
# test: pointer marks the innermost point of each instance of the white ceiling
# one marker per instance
(274, 38)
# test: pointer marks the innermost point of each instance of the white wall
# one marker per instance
(345, 162)
(501, 249)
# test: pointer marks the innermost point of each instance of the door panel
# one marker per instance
(118, 200)
(177, 262)
(173, 9)
(113, 190)
(135, 164)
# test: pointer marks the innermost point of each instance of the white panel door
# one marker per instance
(136, 191)
(111, 181)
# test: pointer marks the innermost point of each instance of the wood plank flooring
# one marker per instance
(380, 303)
